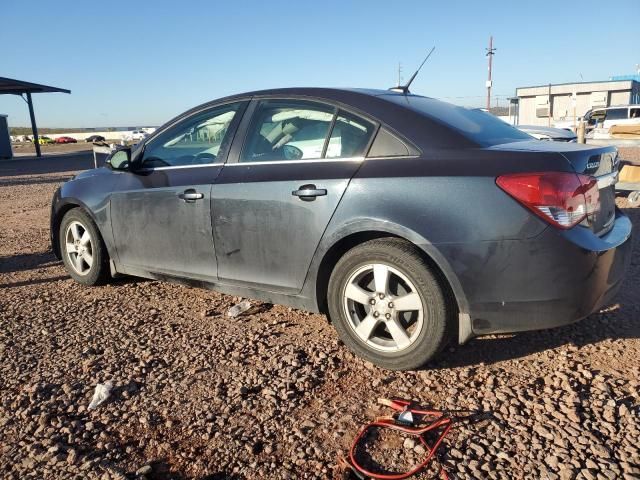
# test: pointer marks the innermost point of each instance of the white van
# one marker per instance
(606, 117)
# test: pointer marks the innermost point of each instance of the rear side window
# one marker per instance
(387, 144)
(617, 114)
(349, 137)
(478, 126)
(287, 130)
(304, 130)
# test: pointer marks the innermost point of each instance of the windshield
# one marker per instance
(480, 127)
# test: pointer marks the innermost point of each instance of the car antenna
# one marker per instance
(404, 89)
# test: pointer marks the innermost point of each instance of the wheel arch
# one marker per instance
(62, 208)
(351, 237)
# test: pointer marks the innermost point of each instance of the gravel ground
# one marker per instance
(629, 153)
(273, 394)
(28, 148)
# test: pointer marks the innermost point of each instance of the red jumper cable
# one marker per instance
(404, 422)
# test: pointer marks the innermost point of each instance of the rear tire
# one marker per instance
(83, 251)
(387, 304)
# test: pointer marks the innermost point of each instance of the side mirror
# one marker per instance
(120, 159)
(291, 152)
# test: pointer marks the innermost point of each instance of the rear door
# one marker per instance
(282, 183)
(161, 213)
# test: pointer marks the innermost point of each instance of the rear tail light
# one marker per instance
(562, 199)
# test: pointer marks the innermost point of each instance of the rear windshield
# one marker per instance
(478, 126)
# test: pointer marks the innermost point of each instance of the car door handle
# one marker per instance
(309, 192)
(190, 195)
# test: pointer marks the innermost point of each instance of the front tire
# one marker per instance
(83, 251)
(387, 305)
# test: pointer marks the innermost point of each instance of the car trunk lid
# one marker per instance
(602, 164)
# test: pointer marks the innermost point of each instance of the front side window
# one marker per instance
(196, 141)
(597, 116)
(349, 137)
(287, 130)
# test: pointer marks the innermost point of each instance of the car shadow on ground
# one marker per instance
(220, 476)
(161, 470)
(493, 349)
(41, 260)
(27, 261)
(12, 182)
(35, 281)
(62, 163)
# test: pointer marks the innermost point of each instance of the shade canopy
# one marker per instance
(9, 86)
(18, 87)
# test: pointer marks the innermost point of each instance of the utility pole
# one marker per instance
(490, 53)
(550, 106)
(399, 73)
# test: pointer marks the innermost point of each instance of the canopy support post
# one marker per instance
(34, 127)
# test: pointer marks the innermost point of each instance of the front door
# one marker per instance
(275, 197)
(161, 212)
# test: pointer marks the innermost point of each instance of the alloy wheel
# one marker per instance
(383, 307)
(79, 247)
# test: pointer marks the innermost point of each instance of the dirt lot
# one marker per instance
(629, 153)
(274, 394)
(28, 148)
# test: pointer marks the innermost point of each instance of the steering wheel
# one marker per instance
(203, 158)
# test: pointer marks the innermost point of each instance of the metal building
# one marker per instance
(547, 104)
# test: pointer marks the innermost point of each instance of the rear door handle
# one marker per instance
(190, 195)
(309, 192)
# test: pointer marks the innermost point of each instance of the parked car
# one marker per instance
(136, 135)
(409, 221)
(45, 140)
(609, 116)
(95, 138)
(66, 140)
(549, 133)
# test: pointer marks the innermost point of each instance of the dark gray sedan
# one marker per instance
(409, 221)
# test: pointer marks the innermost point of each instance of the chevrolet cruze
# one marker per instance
(410, 222)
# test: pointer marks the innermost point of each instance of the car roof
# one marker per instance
(325, 92)
(378, 104)
(416, 118)
(629, 105)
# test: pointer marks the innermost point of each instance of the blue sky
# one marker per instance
(140, 63)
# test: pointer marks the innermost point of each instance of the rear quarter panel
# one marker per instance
(440, 203)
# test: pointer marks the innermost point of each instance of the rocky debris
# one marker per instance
(273, 393)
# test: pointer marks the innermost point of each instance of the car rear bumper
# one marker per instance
(554, 279)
